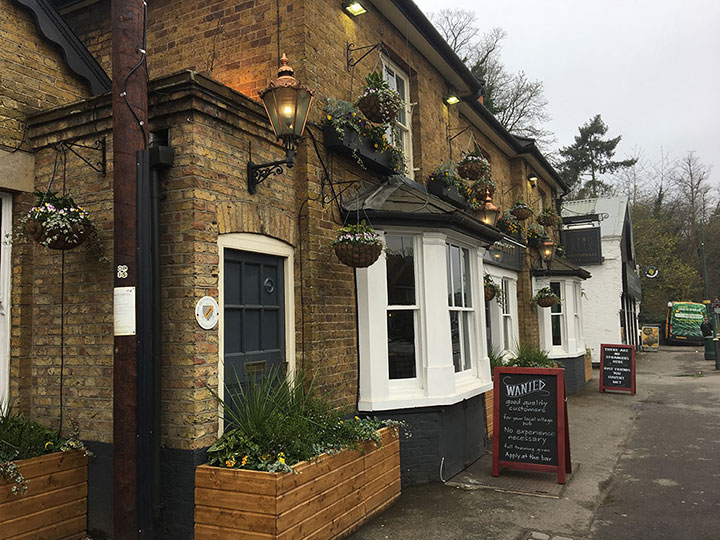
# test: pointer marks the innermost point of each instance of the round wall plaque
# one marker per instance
(206, 312)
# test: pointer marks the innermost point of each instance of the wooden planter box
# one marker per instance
(351, 144)
(329, 498)
(55, 505)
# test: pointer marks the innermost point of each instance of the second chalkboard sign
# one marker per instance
(617, 368)
(530, 419)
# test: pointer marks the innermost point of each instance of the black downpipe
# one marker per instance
(161, 157)
(144, 412)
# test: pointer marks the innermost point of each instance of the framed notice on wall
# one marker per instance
(530, 419)
(617, 368)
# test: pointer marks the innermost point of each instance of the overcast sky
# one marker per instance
(651, 68)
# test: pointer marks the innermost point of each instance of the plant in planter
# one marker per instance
(22, 439)
(548, 217)
(545, 298)
(283, 466)
(520, 210)
(509, 225)
(529, 355)
(474, 166)
(357, 246)
(344, 118)
(492, 289)
(378, 102)
(535, 234)
(56, 221)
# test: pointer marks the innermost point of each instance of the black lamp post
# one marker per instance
(287, 104)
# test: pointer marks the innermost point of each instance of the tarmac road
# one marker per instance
(647, 467)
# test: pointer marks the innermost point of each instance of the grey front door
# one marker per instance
(254, 315)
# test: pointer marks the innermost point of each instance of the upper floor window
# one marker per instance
(400, 133)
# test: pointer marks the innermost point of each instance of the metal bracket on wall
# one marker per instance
(332, 197)
(99, 146)
(350, 48)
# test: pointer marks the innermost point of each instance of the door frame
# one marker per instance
(5, 298)
(264, 245)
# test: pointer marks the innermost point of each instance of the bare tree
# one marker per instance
(692, 180)
(458, 27)
(632, 181)
(518, 102)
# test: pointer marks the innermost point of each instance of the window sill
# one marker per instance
(416, 399)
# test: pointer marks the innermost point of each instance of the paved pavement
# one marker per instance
(646, 467)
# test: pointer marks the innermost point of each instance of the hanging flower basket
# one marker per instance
(474, 166)
(548, 221)
(358, 246)
(546, 298)
(357, 255)
(547, 301)
(521, 211)
(489, 293)
(57, 222)
(56, 237)
(378, 102)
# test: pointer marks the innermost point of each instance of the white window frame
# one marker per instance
(404, 130)
(502, 276)
(572, 330)
(437, 383)
(469, 311)
(408, 384)
(5, 299)
(256, 243)
(562, 315)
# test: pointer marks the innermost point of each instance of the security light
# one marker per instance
(354, 8)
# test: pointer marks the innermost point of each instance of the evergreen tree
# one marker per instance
(589, 157)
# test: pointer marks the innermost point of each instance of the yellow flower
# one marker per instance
(230, 463)
(281, 458)
(354, 114)
(357, 418)
(244, 461)
(49, 445)
(376, 145)
(329, 117)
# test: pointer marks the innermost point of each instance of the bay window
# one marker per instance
(421, 339)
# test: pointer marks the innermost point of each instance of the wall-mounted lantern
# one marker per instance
(532, 180)
(354, 8)
(452, 99)
(547, 250)
(488, 212)
(287, 104)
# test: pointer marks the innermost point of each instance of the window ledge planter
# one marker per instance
(351, 144)
(55, 505)
(451, 195)
(328, 498)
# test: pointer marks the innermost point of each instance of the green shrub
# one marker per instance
(529, 355)
(496, 357)
(272, 424)
(21, 438)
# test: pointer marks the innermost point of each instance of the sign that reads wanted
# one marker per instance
(530, 421)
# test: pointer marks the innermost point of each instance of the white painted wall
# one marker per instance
(602, 300)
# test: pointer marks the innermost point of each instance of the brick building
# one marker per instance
(206, 61)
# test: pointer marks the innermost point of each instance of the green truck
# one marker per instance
(683, 321)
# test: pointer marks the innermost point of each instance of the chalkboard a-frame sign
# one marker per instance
(530, 421)
(617, 368)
